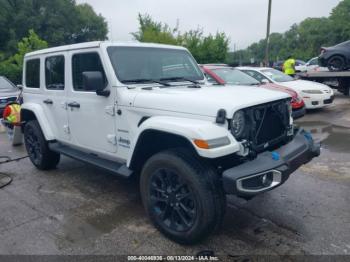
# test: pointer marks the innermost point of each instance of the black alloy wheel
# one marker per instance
(172, 201)
(33, 146)
(38, 148)
(182, 195)
(336, 63)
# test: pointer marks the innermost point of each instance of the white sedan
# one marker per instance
(315, 95)
(311, 65)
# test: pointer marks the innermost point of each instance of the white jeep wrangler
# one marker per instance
(145, 110)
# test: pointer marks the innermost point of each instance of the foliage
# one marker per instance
(206, 49)
(303, 40)
(12, 67)
(57, 22)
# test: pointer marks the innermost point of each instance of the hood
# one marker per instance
(8, 92)
(206, 100)
(299, 85)
(280, 88)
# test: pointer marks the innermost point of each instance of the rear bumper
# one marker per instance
(270, 169)
(297, 113)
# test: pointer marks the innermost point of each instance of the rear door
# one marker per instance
(54, 95)
(91, 117)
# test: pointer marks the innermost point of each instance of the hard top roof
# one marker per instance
(97, 44)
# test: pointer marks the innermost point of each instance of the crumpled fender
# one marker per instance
(41, 117)
(191, 129)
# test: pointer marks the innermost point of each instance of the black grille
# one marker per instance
(269, 124)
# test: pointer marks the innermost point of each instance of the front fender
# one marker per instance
(192, 129)
(38, 111)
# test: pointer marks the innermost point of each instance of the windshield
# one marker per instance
(277, 76)
(145, 63)
(235, 77)
(6, 84)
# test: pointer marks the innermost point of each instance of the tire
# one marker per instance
(336, 63)
(182, 196)
(37, 147)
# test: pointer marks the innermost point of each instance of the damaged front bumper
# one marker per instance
(270, 169)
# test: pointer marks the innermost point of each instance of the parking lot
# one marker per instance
(77, 209)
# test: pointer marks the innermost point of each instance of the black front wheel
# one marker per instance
(336, 63)
(37, 147)
(182, 196)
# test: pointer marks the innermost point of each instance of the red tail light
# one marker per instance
(323, 50)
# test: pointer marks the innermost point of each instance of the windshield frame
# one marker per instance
(199, 76)
(286, 77)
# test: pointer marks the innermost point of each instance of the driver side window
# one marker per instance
(85, 62)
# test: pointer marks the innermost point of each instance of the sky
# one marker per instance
(243, 21)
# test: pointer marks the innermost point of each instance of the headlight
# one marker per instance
(312, 91)
(238, 125)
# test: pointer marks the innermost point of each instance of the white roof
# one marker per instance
(99, 44)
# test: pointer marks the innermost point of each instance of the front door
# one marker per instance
(91, 117)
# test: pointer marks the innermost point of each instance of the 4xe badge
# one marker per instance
(124, 142)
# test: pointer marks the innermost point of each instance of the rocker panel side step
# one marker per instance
(111, 166)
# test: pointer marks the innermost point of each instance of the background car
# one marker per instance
(278, 65)
(312, 65)
(299, 64)
(223, 74)
(8, 93)
(336, 58)
(315, 95)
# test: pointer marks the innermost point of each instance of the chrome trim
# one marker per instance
(277, 179)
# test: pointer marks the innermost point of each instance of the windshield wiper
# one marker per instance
(141, 81)
(180, 79)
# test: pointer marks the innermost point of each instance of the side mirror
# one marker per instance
(94, 81)
(20, 87)
(265, 81)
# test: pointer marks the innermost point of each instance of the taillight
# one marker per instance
(323, 50)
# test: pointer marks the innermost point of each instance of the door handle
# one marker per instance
(74, 104)
(48, 101)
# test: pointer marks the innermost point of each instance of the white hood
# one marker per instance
(206, 100)
(299, 85)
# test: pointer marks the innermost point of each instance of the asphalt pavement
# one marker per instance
(77, 209)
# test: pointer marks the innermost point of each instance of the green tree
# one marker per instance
(58, 22)
(340, 18)
(305, 39)
(206, 49)
(12, 67)
(156, 32)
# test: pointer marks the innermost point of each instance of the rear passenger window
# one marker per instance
(87, 62)
(33, 73)
(54, 72)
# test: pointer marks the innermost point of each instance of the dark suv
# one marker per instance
(8, 93)
(336, 58)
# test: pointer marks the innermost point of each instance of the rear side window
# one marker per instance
(54, 72)
(33, 73)
(86, 62)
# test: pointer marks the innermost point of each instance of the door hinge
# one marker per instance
(112, 139)
(110, 110)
